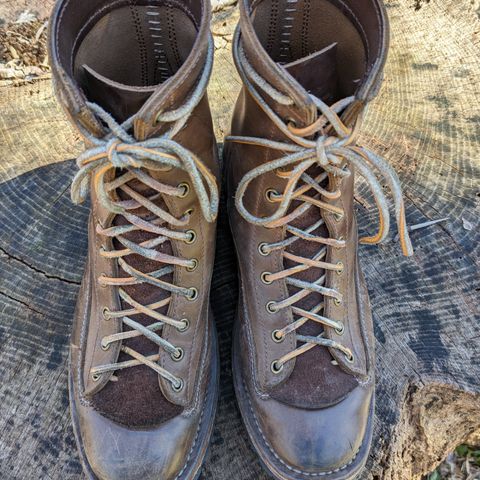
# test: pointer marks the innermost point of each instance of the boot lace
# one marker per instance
(119, 156)
(330, 144)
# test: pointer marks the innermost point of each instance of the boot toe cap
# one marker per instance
(316, 441)
(113, 451)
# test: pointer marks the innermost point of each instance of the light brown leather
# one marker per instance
(110, 52)
(314, 416)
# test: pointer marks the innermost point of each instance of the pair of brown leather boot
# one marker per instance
(132, 76)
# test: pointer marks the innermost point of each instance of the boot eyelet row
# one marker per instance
(340, 268)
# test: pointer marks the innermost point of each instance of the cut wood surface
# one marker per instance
(426, 122)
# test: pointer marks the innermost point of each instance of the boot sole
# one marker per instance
(192, 469)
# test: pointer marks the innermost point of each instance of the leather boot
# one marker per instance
(303, 347)
(132, 77)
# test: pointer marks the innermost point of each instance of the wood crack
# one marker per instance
(16, 300)
(37, 270)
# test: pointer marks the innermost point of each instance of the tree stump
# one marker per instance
(426, 121)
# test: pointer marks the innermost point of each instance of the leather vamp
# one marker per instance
(135, 398)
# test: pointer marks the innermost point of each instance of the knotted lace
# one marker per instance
(110, 165)
(330, 144)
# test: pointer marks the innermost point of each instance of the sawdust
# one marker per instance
(23, 51)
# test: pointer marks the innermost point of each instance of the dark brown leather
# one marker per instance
(313, 418)
(131, 424)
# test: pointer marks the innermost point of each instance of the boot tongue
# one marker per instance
(121, 101)
(318, 75)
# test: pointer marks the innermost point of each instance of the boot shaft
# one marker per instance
(130, 57)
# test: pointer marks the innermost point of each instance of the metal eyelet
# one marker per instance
(261, 250)
(193, 295)
(105, 346)
(276, 369)
(340, 331)
(270, 306)
(340, 268)
(276, 337)
(338, 217)
(185, 327)
(264, 276)
(193, 236)
(194, 266)
(291, 123)
(186, 189)
(337, 302)
(104, 313)
(269, 193)
(350, 358)
(102, 275)
(178, 356)
(179, 387)
(189, 212)
(339, 239)
(96, 377)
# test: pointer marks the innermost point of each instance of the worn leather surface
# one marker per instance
(157, 432)
(312, 415)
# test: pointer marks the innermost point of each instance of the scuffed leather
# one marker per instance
(172, 449)
(328, 439)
